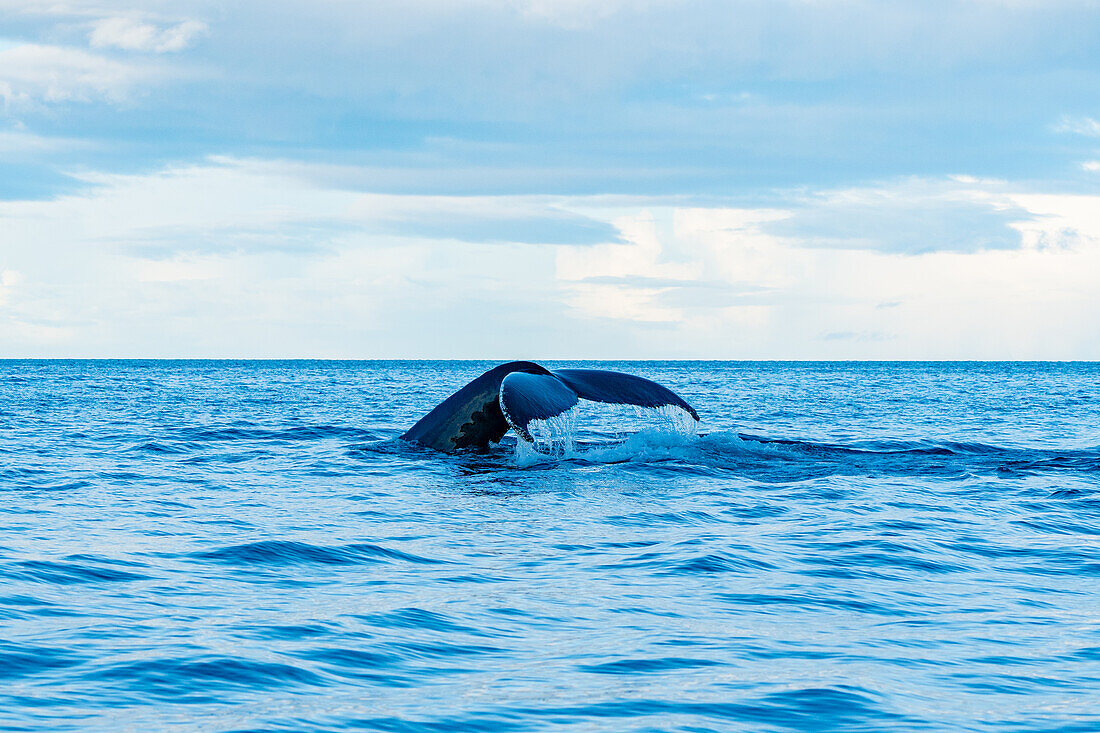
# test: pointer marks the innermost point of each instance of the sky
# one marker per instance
(585, 179)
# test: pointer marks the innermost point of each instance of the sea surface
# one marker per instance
(248, 546)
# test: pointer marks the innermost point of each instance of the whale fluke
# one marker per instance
(513, 395)
(471, 417)
(527, 397)
(617, 388)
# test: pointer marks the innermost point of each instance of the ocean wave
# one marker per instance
(24, 660)
(784, 460)
(283, 552)
(200, 679)
(292, 434)
(67, 573)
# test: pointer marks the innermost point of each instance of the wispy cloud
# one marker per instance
(912, 217)
(21, 143)
(292, 237)
(32, 73)
(1079, 126)
(576, 14)
(857, 336)
(480, 219)
(132, 34)
(793, 296)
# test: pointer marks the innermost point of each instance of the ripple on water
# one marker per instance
(281, 552)
(67, 573)
(201, 679)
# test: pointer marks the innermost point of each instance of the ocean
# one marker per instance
(248, 546)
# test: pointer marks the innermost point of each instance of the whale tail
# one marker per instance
(513, 395)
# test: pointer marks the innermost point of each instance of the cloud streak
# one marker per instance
(34, 73)
(915, 217)
(1079, 126)
(132, 34)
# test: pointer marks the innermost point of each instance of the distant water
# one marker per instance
(246, 546)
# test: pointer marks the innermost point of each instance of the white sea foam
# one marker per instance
(557, 437)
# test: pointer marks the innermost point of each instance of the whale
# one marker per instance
(513, 395)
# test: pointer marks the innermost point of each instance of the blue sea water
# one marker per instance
(247, 546)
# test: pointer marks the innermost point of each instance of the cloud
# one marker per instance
(742, 291)
(641, 281)
(857, 336)
(913, 217)
(234, 257)
(577, 96)
(229, 204)
(623, 280)
(20, 143)
(298, 237)
(575, 14)
(250, 258)
(748, 176)
(1079, 126)
(679, 294)
(529, 220)
(135, 35)
(31, 73)
(8, 280)
(550, 229)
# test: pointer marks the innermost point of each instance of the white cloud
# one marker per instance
(17, 142)
(8, 280)
(226, 280)
(913, 216)
(257, 260)
(1092, 166)
(577, 14)
(1079, 126)
(32, 73)
(784, 299)
(621, 281)
(132, 34)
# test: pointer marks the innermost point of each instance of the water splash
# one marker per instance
(675, 419)
(557, 437)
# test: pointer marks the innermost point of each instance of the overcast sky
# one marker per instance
(551, 178)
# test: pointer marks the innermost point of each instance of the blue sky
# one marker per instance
(551, 178)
